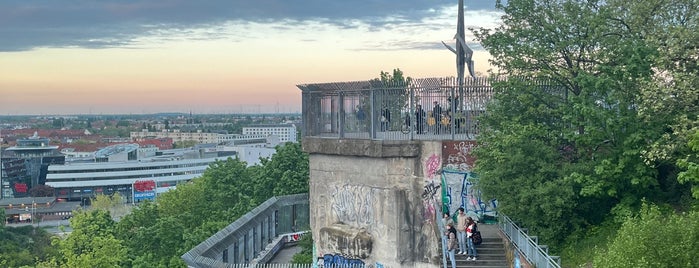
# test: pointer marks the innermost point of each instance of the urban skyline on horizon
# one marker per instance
(243, 57)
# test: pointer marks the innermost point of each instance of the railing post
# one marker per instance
(411, 114)
(341, 114)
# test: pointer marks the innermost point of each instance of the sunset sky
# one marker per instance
(215, 56)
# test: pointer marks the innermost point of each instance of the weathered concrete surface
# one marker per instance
(368, 200)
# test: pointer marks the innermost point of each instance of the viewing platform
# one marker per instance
(416, 109)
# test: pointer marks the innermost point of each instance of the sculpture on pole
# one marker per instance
(464, 56)
(463, 53)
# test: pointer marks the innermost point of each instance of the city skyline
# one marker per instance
(215, 56)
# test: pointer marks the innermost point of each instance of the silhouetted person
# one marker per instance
(419, 118)
(437, 114)
(385, 118)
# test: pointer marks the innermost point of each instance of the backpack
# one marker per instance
(477, 239)
(476, 236)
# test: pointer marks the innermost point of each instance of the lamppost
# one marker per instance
(32, 213)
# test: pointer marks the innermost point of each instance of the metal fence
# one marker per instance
(256, 236)
(423, 109)
(309, 265)
(536, 254)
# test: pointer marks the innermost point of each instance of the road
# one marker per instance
(53, 227)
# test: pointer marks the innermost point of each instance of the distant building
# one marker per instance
(286, 132)
(24, 165)
(176, 136)
(118, 168)
(250, 155)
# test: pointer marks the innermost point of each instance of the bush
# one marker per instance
(654, 238)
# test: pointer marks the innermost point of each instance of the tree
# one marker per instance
(92, 243)
(306, 254)
(690, 164)
(41, 191)
(114, 204)
(564, 147)
(287, 171)
(653, 238)
(185, 144)
(394, 97)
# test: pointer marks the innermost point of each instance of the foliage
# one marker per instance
(286, 172)
(41, 191)
(116, 131)
(654, 238)
(114, 203)
(306, 253)
(581, 245)
(690, 164)
(184, 144)
(578, 131)
(22, 246)
(91, 244)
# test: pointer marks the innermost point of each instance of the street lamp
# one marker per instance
(33, 211)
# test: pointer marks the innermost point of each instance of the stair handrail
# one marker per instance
(442, 231)
(527, 245)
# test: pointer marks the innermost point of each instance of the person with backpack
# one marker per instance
(471, 228)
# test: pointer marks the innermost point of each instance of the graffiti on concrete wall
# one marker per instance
(457, 155)
(432, 166)
(460, 192)
(338, 260)
(430, 197)
(355, 204)
(294, 237)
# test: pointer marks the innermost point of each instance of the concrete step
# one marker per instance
(491, 253)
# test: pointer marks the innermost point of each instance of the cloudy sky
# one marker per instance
(215, 56)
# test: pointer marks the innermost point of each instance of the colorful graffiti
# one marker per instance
(294, 237)
(432, 165)
(460, 192)
(457, 155)
(337, 260)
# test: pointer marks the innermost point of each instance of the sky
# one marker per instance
(216, 56)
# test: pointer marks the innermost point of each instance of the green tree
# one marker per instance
(114, 204)
(185, 144)
(690, 164)
(306, 254)
(565, 146)
(654, 238)
(287, 171)
(92, 243)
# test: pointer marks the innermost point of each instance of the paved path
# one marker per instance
(285, 255)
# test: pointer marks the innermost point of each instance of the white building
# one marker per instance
(84, 180)
(286, 132)
(249, 154)
(176, 136)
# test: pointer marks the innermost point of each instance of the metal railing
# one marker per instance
(528, 246)
(254, 237)
(418, 109)
(310, 265)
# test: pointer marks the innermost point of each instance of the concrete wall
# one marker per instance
(375, 201)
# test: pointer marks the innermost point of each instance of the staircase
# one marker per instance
(491, 253)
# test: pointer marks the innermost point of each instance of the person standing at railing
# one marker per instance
(360, 117)
(437, 114)
(451, 243)
(385, 118)
(419, 118)
(470, 229)
(461, 221)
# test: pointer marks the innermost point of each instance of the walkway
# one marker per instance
(285, 254)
